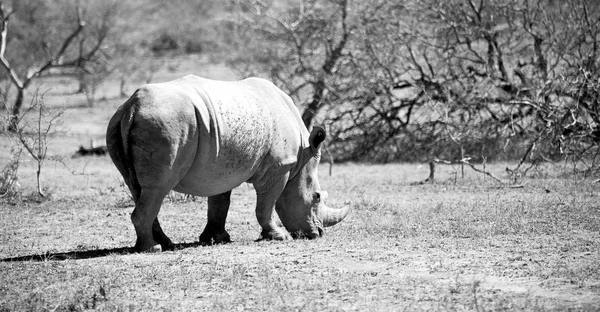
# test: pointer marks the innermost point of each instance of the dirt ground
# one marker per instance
(469, 245)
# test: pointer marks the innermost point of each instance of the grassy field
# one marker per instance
(460, 244)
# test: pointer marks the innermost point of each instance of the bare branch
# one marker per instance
(4, 17)
(53, 61)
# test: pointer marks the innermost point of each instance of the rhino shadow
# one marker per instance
(86, 254)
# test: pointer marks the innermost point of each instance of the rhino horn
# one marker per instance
(330, 216)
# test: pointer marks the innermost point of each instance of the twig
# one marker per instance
(60, 159)
(489, 174)
(527, 153)
(329, 159)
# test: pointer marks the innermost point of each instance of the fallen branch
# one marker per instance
(489, 174)
(511, 186)
(464, 161)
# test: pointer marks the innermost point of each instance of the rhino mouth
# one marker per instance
(324, 217)
(307, 235)
(308, 220)
(314, 229)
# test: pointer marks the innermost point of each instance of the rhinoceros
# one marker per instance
(205, 137)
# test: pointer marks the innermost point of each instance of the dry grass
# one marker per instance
(464, 245)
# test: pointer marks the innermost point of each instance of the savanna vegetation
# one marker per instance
(488, 80)
(510, 88)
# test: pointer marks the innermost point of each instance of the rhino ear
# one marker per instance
(317, 135)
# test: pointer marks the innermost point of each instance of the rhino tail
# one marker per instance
(119, 147)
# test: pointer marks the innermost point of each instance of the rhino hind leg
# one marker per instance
(160, 237)
(214, 232)
(144, 219)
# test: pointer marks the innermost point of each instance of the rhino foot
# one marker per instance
(208, 238)
(164, 242)
(151, 249)
(160, 237)
(275, 234)
(168, 246)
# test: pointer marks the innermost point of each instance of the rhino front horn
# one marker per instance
(331, 216)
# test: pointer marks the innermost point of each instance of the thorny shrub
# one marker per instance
(9, 179)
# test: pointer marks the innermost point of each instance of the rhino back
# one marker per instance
(245, 128)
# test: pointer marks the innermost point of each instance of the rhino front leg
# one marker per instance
(214, 232)
(266, 197)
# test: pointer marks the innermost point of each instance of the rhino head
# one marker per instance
(301, 207)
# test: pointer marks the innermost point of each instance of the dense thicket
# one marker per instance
(412, 80)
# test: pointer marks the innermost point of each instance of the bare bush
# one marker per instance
(56, 53)
(34, 134)
(414, 80)
(9, 176)
(305, 47)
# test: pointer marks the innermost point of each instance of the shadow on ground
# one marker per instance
(86, 254)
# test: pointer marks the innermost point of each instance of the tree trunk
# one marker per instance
(122, 92)
(313, 107)
(16, 111)
(39, 179)
(309, 112)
